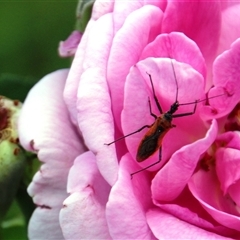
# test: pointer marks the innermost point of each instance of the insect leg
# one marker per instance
(139, 130)
(186, 114)
(154, 95)
(150, 108)
(143, 169)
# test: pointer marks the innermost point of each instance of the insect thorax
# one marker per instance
(164, 122)
(174, 107)
(167, 117)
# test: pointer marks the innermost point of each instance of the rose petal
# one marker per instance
(77, 68)
(136, 111)
(101, 8)
(70, 92)
(221, 208)
(71, 88)
(229, 27)
(44, 126)
(160, 4)
(226, 77)
(179, 47)
(139, 28)
(228, 160)
(228, 167)
(166, 226)
(234, 193)
(226, 170)
(44, 224)
(229, 140)
(173, 177)
(68, 47)
(94, 103)
(122, 10)
(197, 20)
(128, 202)
(186, 208)
(228, 4)
(83, 213)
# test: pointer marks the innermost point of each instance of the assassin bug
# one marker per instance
(152, 140)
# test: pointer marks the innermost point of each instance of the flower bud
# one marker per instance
(12, 160)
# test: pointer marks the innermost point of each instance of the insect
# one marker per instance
(152, 140)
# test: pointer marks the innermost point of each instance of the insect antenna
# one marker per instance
(175, 77)
(202, 100)
(170, 55)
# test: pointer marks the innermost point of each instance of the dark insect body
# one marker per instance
(152, 140)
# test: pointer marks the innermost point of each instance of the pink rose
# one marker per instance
(84, 189)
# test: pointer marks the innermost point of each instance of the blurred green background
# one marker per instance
(30, 34)
(29, 38)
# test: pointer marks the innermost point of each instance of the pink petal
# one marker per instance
(94, 104)
(128, 202)
(44, 224)
(226, 77)
(229, 140)
(71, 88)
(196, 19)
(166, 226)
(101, 8)
(230, 27)
(160, 4)
(186, 208)
(68, 47)
(136, 112)
(83, 212)
(234, 193)
(139, 28)
(173, 177)
(122, 10)
(179, 47)
(44, 127)
(221, 208)
(84, 50)
(228, 167)
(228, 4)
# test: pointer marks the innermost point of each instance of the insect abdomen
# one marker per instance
(152, 140)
